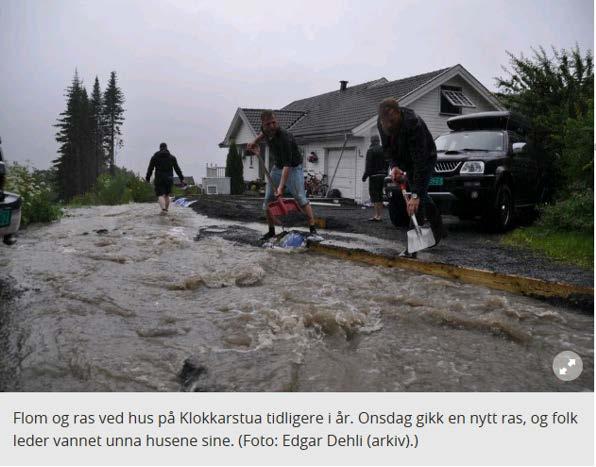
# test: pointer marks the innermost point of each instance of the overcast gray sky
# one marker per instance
(185, 66)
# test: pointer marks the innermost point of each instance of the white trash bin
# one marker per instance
(10, 216)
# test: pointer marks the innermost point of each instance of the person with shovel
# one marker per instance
(375, 169)
(287, 172)
(410, 148)
(164, 164)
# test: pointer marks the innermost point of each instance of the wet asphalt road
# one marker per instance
(467, 245)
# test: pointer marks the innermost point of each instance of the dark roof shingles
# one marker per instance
(339, 111)
(285, 118)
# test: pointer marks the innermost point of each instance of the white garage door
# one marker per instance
(345, 178)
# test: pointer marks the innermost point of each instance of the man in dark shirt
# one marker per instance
(287, 171)
(409, 146)
(376, 170)
(164, 164)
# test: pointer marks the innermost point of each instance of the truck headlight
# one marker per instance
(472, 167)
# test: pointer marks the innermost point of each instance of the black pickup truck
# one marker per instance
(486, 168)
(10, 208)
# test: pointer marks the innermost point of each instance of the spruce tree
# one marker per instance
(97, 124)
(84, 159)
(68, 136)
(235, 170)
(113, 117)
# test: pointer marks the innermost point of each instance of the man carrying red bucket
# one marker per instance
(287, 173)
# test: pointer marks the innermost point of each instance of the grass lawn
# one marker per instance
(571, 247)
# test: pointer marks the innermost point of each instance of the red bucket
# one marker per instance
(282, 207)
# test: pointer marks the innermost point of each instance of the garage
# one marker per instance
(345, 178)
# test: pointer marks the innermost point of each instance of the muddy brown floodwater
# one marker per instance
(122, 299)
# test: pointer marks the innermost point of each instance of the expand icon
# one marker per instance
(567, 365)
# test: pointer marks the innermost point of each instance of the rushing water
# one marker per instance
(122, 299)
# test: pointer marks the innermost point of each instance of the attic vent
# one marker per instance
(343, 85)
(457, 98)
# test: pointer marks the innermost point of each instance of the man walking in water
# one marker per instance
(376, 170)
(164, 164)
(287, 170)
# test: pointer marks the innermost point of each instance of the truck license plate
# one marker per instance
(5, 215)
(436, 181)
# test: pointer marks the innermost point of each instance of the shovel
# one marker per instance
(281, 206)
(419, 238)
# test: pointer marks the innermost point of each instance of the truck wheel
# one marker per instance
(10, 239)
(397, 211)
(499, 216)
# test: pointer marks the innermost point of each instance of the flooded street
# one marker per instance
(122, 299)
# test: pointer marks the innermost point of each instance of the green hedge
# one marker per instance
(38, 196)
(122, 188)
(565, 230)
(574, 214)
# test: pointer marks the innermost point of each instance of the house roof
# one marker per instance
(340, 111)
(285, 118)
(252, 117)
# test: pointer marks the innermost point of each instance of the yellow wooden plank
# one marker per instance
(508, 282)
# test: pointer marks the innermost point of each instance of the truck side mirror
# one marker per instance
(518, 148)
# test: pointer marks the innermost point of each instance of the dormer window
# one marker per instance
(453, 100)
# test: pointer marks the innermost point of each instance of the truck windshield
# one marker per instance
(471, 140)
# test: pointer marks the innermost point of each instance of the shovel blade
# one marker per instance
(419, 239)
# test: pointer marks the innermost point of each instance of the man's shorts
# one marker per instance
(163, 185)
(375, 188)
(294, 184)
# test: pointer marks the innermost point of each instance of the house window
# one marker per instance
(211, 189)
(453, 100)
(251, 156)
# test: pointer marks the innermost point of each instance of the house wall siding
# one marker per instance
(244, 134)
(429, 106)
(222, 184)
(250, 173)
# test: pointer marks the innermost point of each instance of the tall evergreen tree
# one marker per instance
(97, 124)
(235, 170)
(113, 117)
(84, 159)
(68, 136)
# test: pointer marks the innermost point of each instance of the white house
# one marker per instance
(347, 118)
(215, 182)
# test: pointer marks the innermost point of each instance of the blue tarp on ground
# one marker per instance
(184, 202)
(287, 240)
